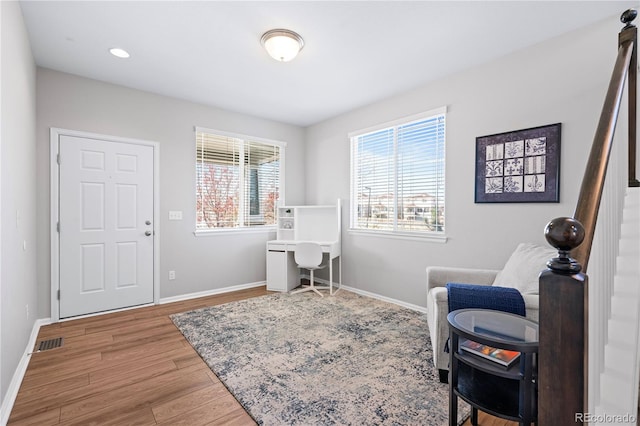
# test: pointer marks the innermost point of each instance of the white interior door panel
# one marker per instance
(106, 225)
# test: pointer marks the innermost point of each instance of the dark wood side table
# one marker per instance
(507, 392)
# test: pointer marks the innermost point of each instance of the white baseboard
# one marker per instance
(372, 295)
(213, 292)
(18, 375)
(387, 299)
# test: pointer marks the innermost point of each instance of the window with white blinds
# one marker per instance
(398, 176)
(237, 180)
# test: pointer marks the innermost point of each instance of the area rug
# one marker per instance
(306, 360)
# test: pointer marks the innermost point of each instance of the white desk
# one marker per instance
(319, 224)
(282, 271)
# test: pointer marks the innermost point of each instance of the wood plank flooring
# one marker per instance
(131, 368)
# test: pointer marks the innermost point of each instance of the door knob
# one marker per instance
(148, 222)
(147, 233)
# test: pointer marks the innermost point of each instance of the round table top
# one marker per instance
(501, 327)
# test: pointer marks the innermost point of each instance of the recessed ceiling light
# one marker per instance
(120, 53)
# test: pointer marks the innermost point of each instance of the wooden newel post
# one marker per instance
(562, 362)
(629, 34)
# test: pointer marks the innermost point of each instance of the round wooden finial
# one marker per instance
(628, 16)
(565, 234)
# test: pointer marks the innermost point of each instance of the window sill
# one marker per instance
(427, 237)
(228, 231)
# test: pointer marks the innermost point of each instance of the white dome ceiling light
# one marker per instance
(282, 45)
(120, 53)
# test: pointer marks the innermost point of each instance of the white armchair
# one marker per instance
(521, 271)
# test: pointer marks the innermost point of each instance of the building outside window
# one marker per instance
(397, 172)
(238, 180)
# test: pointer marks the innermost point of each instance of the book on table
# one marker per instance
(500, 356)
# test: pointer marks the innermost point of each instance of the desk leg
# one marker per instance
(330, 276)
(339, 274)
(340, 271)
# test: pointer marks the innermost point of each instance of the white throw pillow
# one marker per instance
(524, 266)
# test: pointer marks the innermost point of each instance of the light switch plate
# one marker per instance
(175, 215)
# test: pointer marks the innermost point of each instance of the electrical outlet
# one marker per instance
(172, 275)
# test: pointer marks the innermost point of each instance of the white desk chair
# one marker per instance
(309, 256)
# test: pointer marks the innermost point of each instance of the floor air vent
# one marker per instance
(46, 345)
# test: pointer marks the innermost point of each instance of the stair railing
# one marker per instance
(564, 329)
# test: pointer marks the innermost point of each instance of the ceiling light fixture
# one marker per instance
(120, 53)
(282, 45)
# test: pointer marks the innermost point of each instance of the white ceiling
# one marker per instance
(356, 52)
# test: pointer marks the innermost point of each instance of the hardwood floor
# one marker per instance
(131, 368)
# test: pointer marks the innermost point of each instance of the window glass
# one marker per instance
(237, 181)
(398, 177)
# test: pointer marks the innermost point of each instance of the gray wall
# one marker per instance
(562, 80)
(17, 193)
(201, 263)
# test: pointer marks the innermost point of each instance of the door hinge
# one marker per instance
(58, 159)
(58, 227)
(58, 294)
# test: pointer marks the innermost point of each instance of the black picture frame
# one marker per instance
(521, 166)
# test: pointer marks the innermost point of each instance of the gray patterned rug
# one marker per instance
(306, 360)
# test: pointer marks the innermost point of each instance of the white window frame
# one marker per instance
(436, 236)
(281, 185)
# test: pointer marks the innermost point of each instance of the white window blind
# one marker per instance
(237, 181)
(398, 177)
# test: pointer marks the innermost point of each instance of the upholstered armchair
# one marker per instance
(521, 272)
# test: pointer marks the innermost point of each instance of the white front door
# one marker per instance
(106, 225)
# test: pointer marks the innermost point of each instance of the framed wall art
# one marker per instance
(522, 166)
